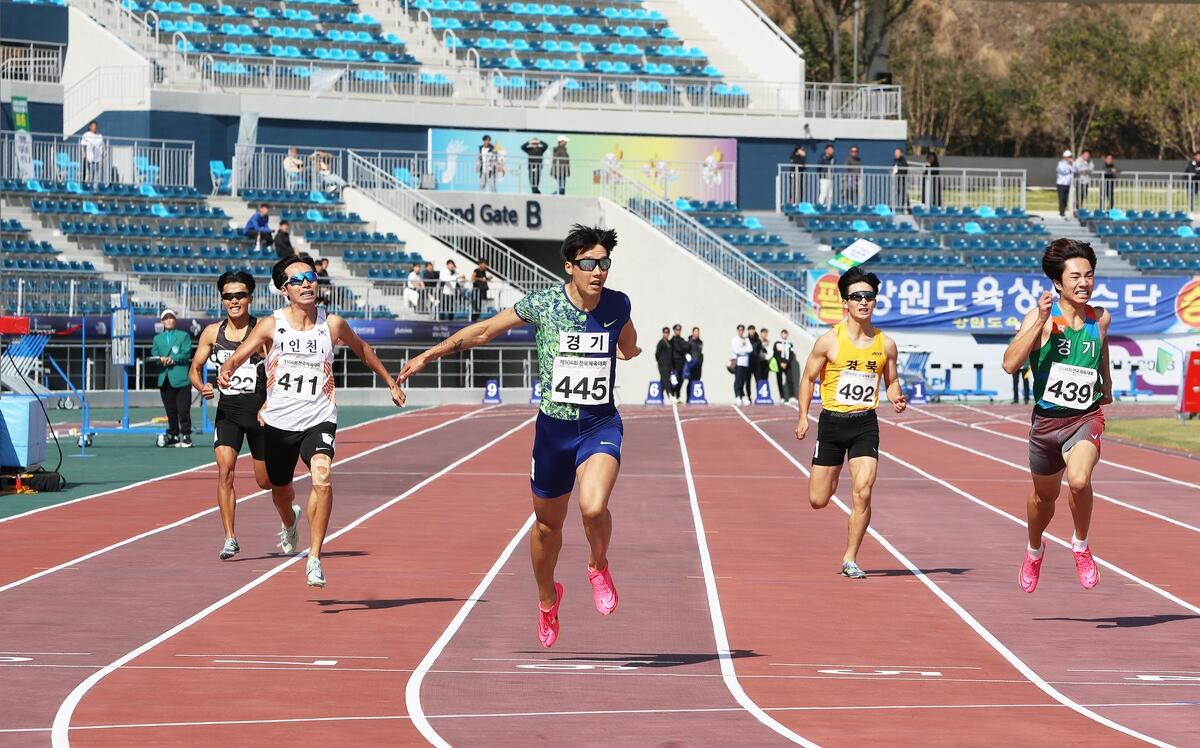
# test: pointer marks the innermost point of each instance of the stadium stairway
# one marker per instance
(68, 250)
(721, 54)
(423, 42)
(1070, 228)
(793, 236)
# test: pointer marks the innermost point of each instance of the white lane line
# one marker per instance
(903, 667)
(48, 654)
(211, 510)
(292, 656)
(62, 718)
(596, 712)
(176, 474)
(962, 613)
(1025, 469)
(412, 690)
(1110, 463)
(725, 655)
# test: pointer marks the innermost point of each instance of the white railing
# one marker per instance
(724, 257)
(918, 185)
(1139, 190)
(167, 163)
(33, 63)
(851, 101)
(505, 262)
(462, 169)
(267, 167)
(35, 293)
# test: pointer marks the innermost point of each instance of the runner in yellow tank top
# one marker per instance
(851, 361)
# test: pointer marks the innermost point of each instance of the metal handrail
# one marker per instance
(447, 227)
(723, 256)
(773, 27)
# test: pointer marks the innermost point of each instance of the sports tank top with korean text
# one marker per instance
(1066, 369)
(850, 383)
(249, 382)
(300, 388)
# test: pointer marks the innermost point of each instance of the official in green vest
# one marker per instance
(172, 350)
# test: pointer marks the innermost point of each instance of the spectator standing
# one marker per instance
(324, 283)
(293, 169)
(1083, 177)
(283, 241)
(786, 375)
(1019, 376)
(741, 348)
(258, 227)
(1108, 182)
(852, 187)
(535, 149)
(93, 146)
(486, 164)
(662, 357)
(799, 162)
(172, 348)
(825, 195)
(451, 281)
(756, 351)
(694, 368)
(1193, 172)
(431, 276)
(899, 179)
(764, 356)
(1064, 174)
(679, 353)
(479, 288)
(932, 194)
(560, 164)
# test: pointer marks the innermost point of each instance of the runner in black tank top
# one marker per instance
(238, 406)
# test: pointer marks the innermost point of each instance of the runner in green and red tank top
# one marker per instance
(1066, 345)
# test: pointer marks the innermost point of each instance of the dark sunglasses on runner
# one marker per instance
(587, 264)
(862, 296)
(299, 278)
(235, 296)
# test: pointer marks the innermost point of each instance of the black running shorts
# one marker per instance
(283, 448)
(238, 424)
(841, 434)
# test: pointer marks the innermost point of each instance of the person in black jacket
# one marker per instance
(933, 181)
(679, 352)
(283, 241)
(799, 160)
(788, 376)
(662, 357)
(1108, 182)
(1193, 172)
(899, 179)
(756, 352)
(535, 149)
(694, 364)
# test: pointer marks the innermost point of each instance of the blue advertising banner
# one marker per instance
(374, 331)
(997, 302)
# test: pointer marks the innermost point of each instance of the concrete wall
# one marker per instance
(669, 285)
(33, 23)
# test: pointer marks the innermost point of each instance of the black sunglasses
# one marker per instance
(589, 264)
(235, 296)
(862, 296)
(299, 278)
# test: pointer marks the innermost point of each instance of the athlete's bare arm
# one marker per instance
(203, 348)
(1106, 382)
(479, 333)
(255, 341)
(627, 346)
(817, 358)
(340, 330)
(891, 376)
(1029, 336)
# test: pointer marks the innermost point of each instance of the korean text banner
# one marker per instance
(998, 302)
(696, 167)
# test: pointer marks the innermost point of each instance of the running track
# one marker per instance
(733, 628)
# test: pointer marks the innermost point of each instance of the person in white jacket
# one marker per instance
(740, 348)
(1064, 174)
(1083, 177)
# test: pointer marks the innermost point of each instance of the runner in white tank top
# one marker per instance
(300, 414)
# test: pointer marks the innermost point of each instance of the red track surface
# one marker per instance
(835, 661)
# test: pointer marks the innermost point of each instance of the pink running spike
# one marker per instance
(547, 627)
(1031, 569)
(603, 590)
(1089, 575)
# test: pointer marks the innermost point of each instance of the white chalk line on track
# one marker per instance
(211, 510)
(595, 713)
(176, 474)
(1110, 463)
(1025, 469)
(724, 653)
(958, 609)
(62, 718)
